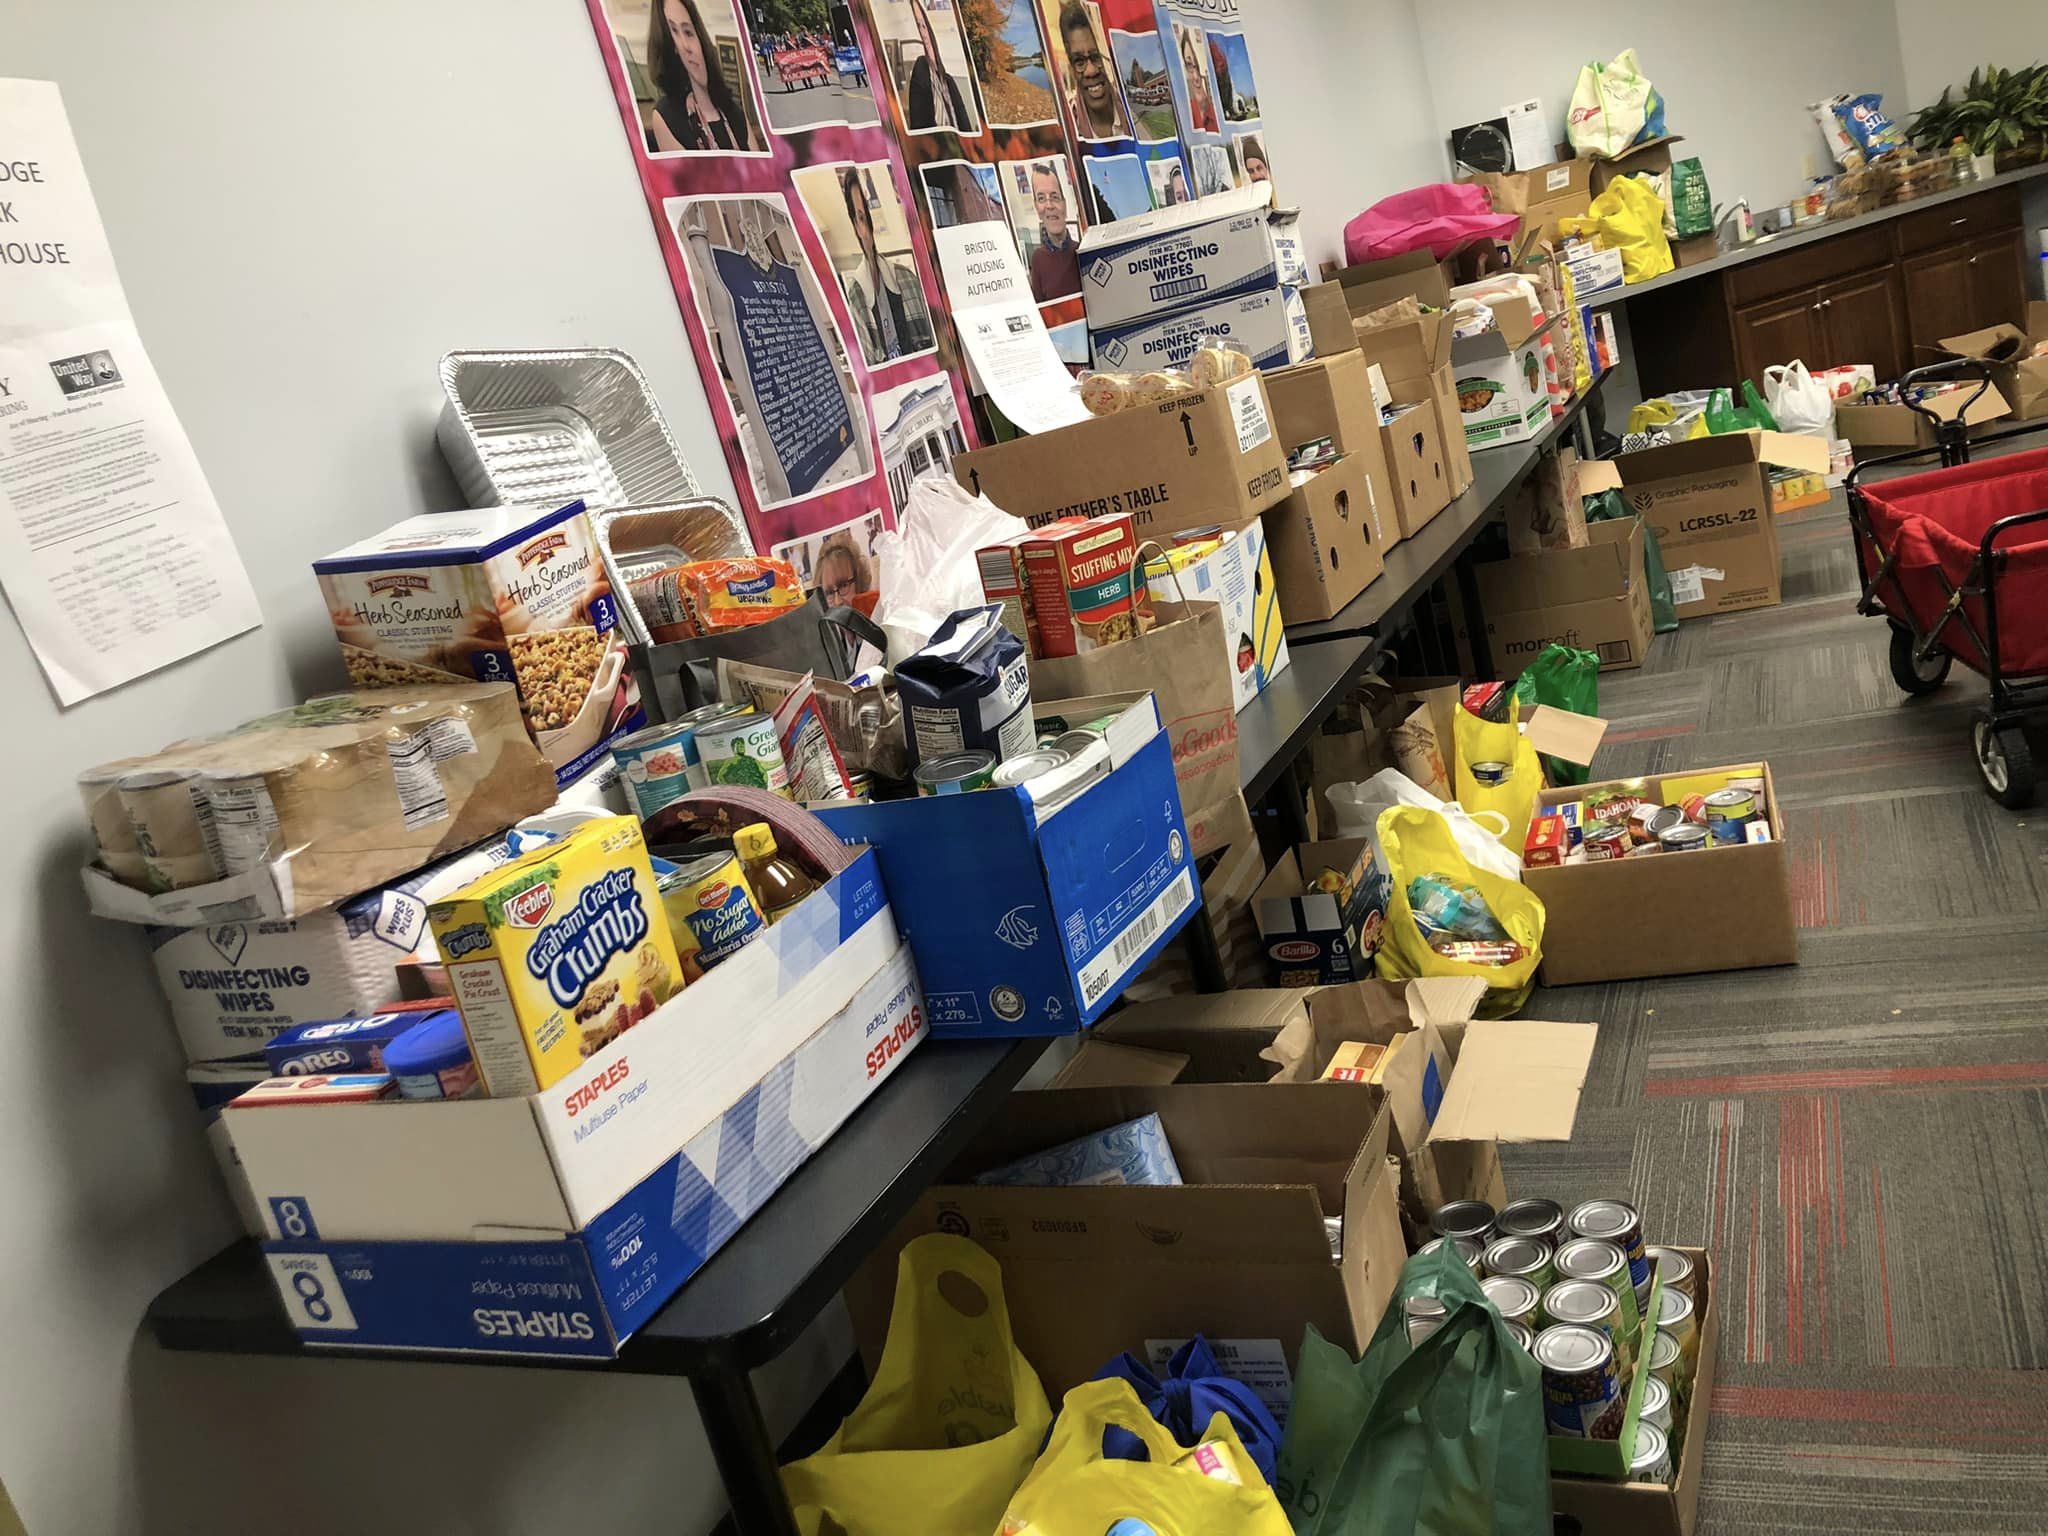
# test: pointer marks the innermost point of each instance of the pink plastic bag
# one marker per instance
(1442, 217)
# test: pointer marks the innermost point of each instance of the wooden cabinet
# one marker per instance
(1883, 293)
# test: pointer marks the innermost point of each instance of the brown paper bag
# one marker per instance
(1424, 744)
(1182, 661)
(1355, 743)
(1228, 884)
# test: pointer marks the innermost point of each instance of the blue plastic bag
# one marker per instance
(1195, 1391)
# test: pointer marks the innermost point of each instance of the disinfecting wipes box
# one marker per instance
(1186, 254)
(1269, 323)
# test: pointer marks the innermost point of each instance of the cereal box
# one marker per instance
(499, 594)
(555, 955)
(1081, 582)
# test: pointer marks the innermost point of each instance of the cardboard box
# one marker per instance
(1105, 1064)
(1503, 387)
(1710, 501)
(1546, 511)
(1239, 578)
(1329, 406)
(1695, 250)
(575, 1213)
(1593, 599)
(1028, 907)
(1649, 157)
(1325, 550)
(1186, 254)
(1725, 908)
(1240, 1252)
(1416, 467)
(1202, 458)
(1893, 427)
(1316, 931)
(1794, 490)
(1610, 1507)
(1542, 195)
(2021, 377)
(1269, 323)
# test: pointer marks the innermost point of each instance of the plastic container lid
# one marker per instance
(433, 1045)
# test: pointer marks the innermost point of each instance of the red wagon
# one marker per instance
(1957, 560)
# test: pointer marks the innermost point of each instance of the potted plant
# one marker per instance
(2002, 114)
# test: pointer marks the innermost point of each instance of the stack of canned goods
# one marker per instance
(1572, 1287)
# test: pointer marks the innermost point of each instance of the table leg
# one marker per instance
(1475, 621)
(744, 1454)
(1205, 960)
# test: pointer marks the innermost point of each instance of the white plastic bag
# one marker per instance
(1800, 402)
(1358, 806)
(1610, 105)
(927, 568)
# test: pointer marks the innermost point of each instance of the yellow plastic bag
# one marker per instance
(1420, 842)
(1628, 217)
(1512, 778)
(950, 1424)
(1074, 1490)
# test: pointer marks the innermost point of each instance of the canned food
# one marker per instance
(1582, 1396)
(1464, 1218)
(1525, 1258)
(1656, 1407)
(1581, 1304)
(1490, 774)
(1531, 1218)
(1617, 1222)
(1675, 1267)
(1074, 743)
(1647, 823)
(1675, 1319)
(1729, 812)
(1605, 841)
(1468, 1250)
(1028, 766)
(1197, 535)
(1422, 1316)
(1684, 837)
(1594, 1258)
(1695, 808)
(1513, 1297)
(1521, 1333)
(711, 910)
(1651, 1462)
(744, 749)
(1664, 1358)
(955, 773)
(656, 764)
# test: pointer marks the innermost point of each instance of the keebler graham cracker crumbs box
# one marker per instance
(556, 954)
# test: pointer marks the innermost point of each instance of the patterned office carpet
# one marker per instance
(1860, 1140)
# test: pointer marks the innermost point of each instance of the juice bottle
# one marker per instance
(778, 884)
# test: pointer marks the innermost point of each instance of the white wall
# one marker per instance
(1737, 75)
(1941, 47)
(1347, 106)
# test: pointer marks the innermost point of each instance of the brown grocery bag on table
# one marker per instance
(1183, 660)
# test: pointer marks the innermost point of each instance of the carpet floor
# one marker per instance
(1855, 1139)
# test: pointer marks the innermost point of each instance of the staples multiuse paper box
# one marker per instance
(557, 1224)
(1187, 254)
(1199, 459)
(1029, 907)
(1719, 909)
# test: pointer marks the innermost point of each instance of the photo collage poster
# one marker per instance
(804, 273)
(1162, 101)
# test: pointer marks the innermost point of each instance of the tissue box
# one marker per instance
(1132, 1153)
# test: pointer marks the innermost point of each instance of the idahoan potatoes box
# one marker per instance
(1203, 458)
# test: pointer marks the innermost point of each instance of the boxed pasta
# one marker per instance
(295, 811)
(516, 595)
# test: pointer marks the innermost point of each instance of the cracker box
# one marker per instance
(1081, 585)
(557, 954)
(500, 594)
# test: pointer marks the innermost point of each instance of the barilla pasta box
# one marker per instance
(555, 955)
(499, 595)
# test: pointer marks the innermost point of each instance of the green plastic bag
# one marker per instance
(1692, 205)
(1446, 1437)
(1563, 678)
(1602, 505)
(1724, 415)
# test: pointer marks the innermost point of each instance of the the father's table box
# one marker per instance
(1202, 458)
(1029, 907)
(1190, 253)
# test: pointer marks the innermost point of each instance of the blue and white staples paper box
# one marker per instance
(557, 1224)
(1030, 907)
(1190, 253)
(1269, 323)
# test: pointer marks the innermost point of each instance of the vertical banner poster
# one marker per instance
(807, 287)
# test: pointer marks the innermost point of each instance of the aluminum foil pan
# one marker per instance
(638, 541)
(555, 426)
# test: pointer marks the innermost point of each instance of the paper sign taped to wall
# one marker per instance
(112, 549)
